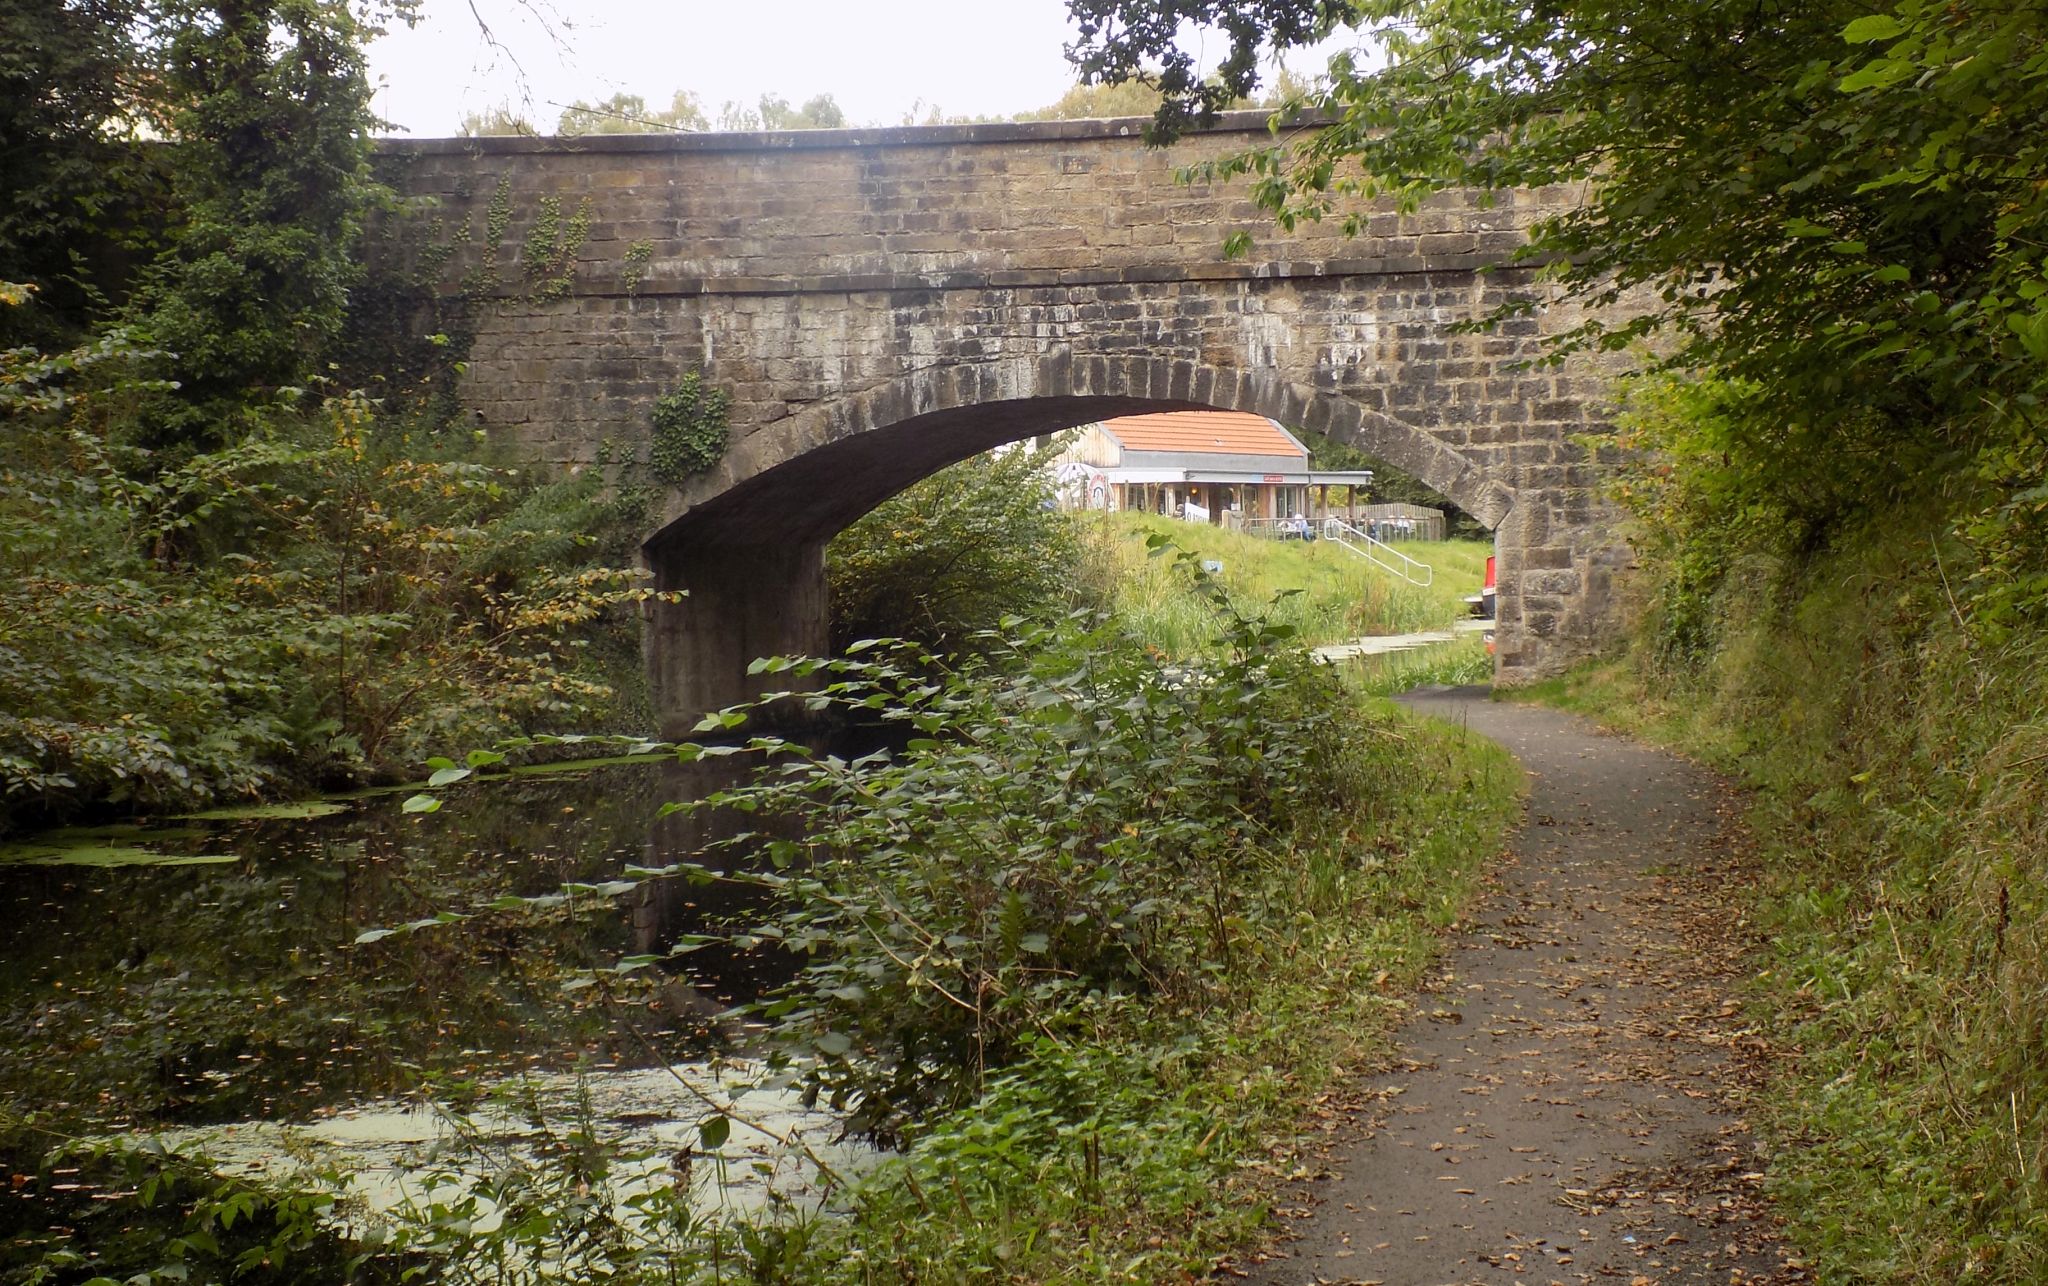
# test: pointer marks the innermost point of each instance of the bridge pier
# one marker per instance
(740, 602)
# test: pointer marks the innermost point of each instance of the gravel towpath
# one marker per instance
(1565, 1105)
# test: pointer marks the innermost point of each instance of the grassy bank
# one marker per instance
(1084, 954)
(1190, 1116)
(1337, 595)
(1900, 763)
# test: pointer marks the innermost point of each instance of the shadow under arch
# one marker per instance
(807, 476)
(746, 542)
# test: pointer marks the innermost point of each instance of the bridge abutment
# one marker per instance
(879, 303)
(739, 603)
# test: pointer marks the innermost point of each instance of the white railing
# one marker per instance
(1378, 552)
(1362, 543)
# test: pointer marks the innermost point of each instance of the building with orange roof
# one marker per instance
(1226, 466)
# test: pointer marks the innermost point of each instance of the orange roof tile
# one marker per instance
(1215, 432)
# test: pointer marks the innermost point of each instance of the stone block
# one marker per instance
(837, 290)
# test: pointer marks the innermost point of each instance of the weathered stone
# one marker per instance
(881, 303)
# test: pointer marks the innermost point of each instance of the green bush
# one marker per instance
(336, 595)
(954, 555)
(107, 1210)
(1072, 824)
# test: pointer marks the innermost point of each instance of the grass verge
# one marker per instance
(1333, 594)
(1455, 664)
(1144, 1158)
(1900, 760)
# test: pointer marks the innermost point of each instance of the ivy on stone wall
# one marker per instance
(690, 429)
(638, 255)
(548, 258)
(483, 278)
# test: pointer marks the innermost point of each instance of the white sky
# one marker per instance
(878, 58)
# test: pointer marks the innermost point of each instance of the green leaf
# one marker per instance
(713, 1131)
(484, 758)
(1882, 74)
(447, 776)
(421, 804)
(832, 1044)
(1873, 27)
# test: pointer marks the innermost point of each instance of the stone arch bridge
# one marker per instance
(881, 303)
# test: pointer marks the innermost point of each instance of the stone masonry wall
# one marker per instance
(842, 284)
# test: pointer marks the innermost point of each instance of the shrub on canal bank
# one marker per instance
(335, 596)
(946, 560)
(1072, 828)
(1089, 944)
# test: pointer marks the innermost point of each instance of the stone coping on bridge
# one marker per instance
(1240, 122)
(657, 283)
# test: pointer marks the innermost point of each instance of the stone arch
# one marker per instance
(806, 476)
(746, 542)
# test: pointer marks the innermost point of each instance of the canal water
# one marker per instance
(206, 977)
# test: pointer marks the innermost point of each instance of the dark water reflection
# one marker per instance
(223, 992)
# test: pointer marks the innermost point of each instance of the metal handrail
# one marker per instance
(1362, 543)
(1379, 553)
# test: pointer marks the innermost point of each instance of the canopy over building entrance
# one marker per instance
(1224, 466)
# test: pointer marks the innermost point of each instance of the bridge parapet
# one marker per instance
(878, 303)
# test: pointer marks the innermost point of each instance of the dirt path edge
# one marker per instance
(1566, 1102)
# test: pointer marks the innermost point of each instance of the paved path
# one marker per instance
(1566, 1102)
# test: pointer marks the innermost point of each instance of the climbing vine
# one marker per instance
(548, 257)
(690, 429)
(636, 259)
(482, 279)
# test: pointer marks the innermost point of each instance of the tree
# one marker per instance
(774, 113)
(630, 114)
(69, 171)
(1105, 99)
(1139, 40)
(1084, 102)
(1839, 203)
(496, 121)
(955, 554)
(268, 113)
